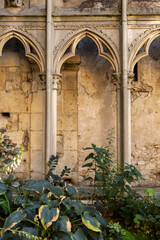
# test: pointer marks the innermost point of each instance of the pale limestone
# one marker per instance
(36, 121)
(38, 102)
(70, 140)
(24, 121)
(36, 140)
(2, 78)
(37, 161)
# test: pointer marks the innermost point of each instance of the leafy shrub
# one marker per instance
(48, 210)
(114, 196)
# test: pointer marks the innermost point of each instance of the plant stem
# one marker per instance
(8, 203)
(33, 223)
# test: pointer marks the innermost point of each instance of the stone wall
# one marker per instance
(145, 118)
(86, 107)
(21, 108)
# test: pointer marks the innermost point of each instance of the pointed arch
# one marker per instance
(144, 43)
(62, 55)
(31, 50)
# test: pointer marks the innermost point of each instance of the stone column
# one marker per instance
(56, 85)
(42, 87)
(116, 79)
(130, 80)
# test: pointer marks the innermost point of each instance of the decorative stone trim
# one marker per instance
(57, 82)
(116, 80)
(42, 78)
(15, 3)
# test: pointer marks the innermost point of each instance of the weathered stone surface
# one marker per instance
(36, 121)
(24, 121)
(37, 162)
(36, 140)
(38, 102)
(2, 78)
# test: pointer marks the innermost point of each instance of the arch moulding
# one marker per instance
(32, 50)
(144, 42)
(72, 40)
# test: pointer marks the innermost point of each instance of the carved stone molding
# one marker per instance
(116, 80)
(42, 78)
(57, 82)
(82, 26)
(77, 30)
(131, 77)
(14, 3)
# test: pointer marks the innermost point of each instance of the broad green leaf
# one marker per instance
(65, 236)
(63, 224)
(71, 189)
(79, 235)
(91, 222)
(48, 216)
(3, 188)
(13, 219)
(56, 191)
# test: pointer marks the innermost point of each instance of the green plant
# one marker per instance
(10, 155)
(114, 196)
(47, 209)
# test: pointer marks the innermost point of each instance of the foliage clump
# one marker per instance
(114, 197)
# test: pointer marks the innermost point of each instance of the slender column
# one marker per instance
(56, 83)
(49, 51)
(130, 80)
(125, 112)
(116, 79)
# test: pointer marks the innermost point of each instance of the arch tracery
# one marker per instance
(141, 49)
(69, 49)
(31, 50)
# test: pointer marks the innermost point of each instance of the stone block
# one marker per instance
(59, 123)
(26, 87)
(70, 101)
(36, 175)
(36, 121)
(69, 159)
(14, 76)
(38, 102)
(70, 140)
(8, 86)
(34, 86)
(2, 78)
(24, 121)
(36, 161)
(37, 3)
(1, 4)
(69, 83)
(70, 122)
(36, 140)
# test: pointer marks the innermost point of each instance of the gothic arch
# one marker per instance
(69, 49)
(141, 49)
(31, 50)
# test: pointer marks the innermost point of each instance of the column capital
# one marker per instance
(42, 77)
(116, 80)
(130, 79)
(57, 82)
